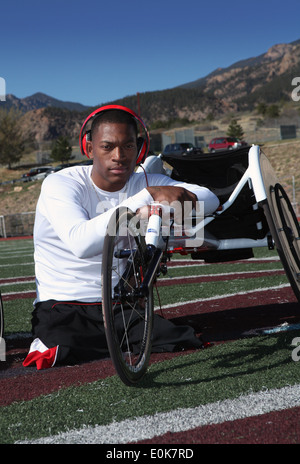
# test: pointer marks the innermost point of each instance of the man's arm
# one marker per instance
(171, 193)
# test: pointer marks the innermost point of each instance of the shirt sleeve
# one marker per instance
(209, 199)
(62, 204)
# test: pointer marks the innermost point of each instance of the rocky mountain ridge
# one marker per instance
(239, 87)
(40, 100)
(265, 77)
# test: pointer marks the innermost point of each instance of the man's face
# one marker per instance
(114, 152)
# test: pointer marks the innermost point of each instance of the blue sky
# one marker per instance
(97, 51)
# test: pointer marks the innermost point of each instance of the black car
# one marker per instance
(37, 173)
(181, 149)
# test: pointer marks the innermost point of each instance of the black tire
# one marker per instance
(128, 317)
(1, 318)
(287, 236)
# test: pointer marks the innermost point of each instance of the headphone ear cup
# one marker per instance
(83, 145)
(142, 149)
(86, 138)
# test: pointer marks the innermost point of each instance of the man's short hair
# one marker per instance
(114, 116)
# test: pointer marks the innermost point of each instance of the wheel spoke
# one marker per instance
(128, 317)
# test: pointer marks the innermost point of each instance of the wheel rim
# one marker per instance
(290, 229)
(127, 316)
(286, 235)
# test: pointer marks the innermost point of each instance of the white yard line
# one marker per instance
(217, 297)
(237, 273)
(180, 420)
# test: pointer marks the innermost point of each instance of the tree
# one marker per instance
(62, 151)
(261, 108)
(235, 130)
(210, 117)
(273, 111)
(12, 141)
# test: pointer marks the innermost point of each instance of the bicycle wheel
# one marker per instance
(288, 236)
(128, 315)
(1, 317)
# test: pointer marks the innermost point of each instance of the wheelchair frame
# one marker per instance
(273, 224)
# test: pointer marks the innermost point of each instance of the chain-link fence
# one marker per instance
(17, 225)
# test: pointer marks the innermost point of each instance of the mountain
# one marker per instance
(40, 100)
(264, 78)
(239, 87)
(277, 52)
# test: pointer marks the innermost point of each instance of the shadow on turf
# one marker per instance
(247, 361)
(260, 359)
(230, 325)
(233, 324)
(16, 350)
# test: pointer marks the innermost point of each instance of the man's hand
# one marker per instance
(181, 201)
(170, 194)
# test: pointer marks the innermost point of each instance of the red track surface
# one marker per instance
(278, 427)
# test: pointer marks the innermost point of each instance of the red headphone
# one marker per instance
(143, 142)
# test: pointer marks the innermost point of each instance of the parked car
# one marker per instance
(180, 149)
(58, 168)
(225, 143)
(36, 173)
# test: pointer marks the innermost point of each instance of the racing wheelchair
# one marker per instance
(254, 211)
(1, 318)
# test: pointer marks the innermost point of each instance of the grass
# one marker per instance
(181, 293)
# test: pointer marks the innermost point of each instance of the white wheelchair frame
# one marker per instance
(283, 228)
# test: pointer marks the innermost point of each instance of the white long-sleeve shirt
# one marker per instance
(71, 218)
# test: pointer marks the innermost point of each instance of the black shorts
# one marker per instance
(74, 332)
